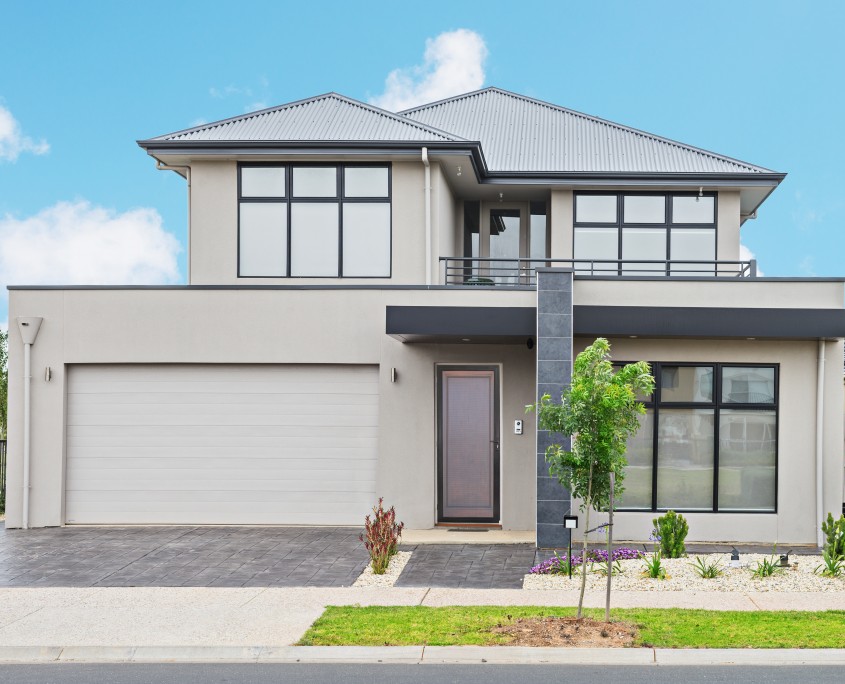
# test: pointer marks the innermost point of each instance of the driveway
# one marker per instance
(181, 557)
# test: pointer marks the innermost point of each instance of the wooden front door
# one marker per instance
(468, 444)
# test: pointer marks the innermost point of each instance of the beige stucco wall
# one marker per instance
(561, 215)
(727, 226)
(724, 292)
(795, 521)
(214, 226)
(263, 326)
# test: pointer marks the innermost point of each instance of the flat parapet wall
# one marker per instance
(776, 293)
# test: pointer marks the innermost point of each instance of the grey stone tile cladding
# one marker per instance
(554, 369)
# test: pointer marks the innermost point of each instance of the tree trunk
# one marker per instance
(609, 549)
(588, 503)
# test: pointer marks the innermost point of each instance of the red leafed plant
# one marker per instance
(381, 536)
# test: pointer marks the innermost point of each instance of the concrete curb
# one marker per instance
(419, 655)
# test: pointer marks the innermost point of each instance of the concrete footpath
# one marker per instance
(101, 624)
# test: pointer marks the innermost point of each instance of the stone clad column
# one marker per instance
(554, 371)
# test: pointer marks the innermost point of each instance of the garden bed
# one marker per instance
(682, 576)
(397, 563)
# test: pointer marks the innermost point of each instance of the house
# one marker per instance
(372, 300)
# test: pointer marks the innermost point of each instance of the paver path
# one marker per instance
(477, 566)
(180, 557)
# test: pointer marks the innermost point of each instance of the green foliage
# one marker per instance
(599, 410)
(707, 570)
(614, 567)
(654, 566)
(4, 381)
(834, 535)
(670, 530)
(831, 566)
(768, 566)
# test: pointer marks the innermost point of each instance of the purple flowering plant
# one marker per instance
(557, 565)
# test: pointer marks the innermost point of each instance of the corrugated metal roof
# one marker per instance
(329, 117)
(518, 133)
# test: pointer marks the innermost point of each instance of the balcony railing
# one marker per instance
(498, 272)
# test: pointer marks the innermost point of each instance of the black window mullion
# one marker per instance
(341, 190)
(717, 398)
(656, 437)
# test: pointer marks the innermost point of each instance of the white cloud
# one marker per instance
(453, 64)
(255, 106)
(12, 140)
(77, 243)
(746, 254)
(228, 91)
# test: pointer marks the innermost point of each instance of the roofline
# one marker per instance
(269, 110)
(473, 149)
(591, 117)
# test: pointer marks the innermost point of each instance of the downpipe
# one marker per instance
(29, 328)
(820, 445)
(427, 215)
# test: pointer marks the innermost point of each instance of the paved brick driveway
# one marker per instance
(476, 566)
(180, 557)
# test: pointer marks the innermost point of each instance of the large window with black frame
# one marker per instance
(708, 440)
(317, 221)
(637, 234)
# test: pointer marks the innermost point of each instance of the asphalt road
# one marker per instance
(66, 673)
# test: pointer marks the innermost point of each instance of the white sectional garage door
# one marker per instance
(221, 444)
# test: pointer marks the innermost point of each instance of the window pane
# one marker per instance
(686, 383)
(597, 243)
(366, 240)
(314, 239)
(645, 209)
(747, 460)
(644, 244)
(693, 210)
(537, 235)
(314, 181)
(637, 494)
(748, 385)
(263, 239)
(262, 181)
(694, 244)
(504, 243)
(685, 459)
(365, 181)
(595, 208)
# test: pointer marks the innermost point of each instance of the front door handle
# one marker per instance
(493, 441)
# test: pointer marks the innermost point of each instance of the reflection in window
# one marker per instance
(638, 472)
(685, 459)
(748, 385)
(687, 384)
(747, 460)
(595, 208)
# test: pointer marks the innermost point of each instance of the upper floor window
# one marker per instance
(652, 233)
(319, 221)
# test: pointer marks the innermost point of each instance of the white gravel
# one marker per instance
(388, 579)
(680, 576)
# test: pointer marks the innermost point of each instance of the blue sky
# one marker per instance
(80, 82)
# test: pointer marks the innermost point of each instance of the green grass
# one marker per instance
(662, 628)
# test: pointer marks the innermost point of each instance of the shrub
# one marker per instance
(834, 535)
(653, 567)
(381, 536)
(670, 530)
(831, 566)
(707, 570)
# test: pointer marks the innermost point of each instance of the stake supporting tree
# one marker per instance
(600, 412)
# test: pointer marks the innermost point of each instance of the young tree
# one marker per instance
(600, 411)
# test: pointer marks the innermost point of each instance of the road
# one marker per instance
(66, 673)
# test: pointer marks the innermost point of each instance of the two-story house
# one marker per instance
(374, 298)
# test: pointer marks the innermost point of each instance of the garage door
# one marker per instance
(215, 444)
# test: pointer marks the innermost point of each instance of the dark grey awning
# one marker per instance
(514, 325)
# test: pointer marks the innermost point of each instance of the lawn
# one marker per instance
(662, 628)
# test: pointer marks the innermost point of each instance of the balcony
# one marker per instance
(499, 272)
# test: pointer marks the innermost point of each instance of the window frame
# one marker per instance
(668, 224)
(339, 200)
(655, 403)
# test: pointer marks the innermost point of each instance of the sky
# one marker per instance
(80, 82)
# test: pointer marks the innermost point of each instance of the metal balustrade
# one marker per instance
(522, 272)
